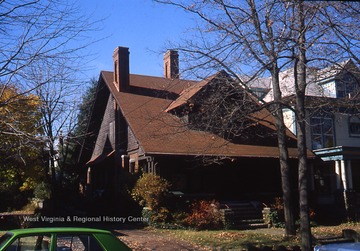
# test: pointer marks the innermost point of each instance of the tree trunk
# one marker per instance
(284, 158)
(300, 86)
(305, 229)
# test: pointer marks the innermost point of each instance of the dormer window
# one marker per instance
(346, 86)
(345, 89)
(354, 126)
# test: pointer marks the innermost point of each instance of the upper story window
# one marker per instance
(322, 132)
(347, 86)
(354, 126)
(260, 92)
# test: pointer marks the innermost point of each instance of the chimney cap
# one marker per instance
(119, 48)
(171, 51)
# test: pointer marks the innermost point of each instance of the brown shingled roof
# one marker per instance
(186, 94)
(160, 132)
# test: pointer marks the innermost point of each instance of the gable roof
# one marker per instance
(190, 92)
(334, 70)
(145, 108)
(261, 116)
(314, 79)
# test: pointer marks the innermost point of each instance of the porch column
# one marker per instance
(125, 162)
(338, 174)
(156, 169)
(150, 165)
(343, 175)
(349, 174)
(89, 182)
(88, 176)
(345, 186)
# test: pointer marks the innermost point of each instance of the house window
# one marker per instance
(354, 126)
(346, 87)
(260, 92)
(322, 132)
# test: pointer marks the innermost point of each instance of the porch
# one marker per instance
(336, 187)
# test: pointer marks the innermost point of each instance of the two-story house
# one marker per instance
(333, 128)
(181, 130)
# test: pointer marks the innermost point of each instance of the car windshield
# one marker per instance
(4, 239)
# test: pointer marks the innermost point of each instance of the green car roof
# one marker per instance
(106, 238)
(58, 230)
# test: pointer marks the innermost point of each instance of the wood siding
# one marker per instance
(104, 144)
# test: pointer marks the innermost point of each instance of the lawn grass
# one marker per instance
(239, 239)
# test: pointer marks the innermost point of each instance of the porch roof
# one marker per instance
(338, 153)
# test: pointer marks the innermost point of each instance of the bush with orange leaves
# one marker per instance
(205, 215)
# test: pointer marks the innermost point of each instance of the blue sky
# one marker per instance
(141, 25)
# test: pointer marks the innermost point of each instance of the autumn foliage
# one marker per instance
(204, 215)
(21, 150)
(150, 190)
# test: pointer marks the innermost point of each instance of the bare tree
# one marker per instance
(254, 38)
(300, 86)
(42, 52)
(35, 31)
(58, 115)
(38, 36)
(327, 35)
(240, 38)
(42, 44)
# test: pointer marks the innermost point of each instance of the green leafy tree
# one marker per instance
(85, 107)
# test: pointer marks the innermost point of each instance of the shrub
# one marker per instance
(276, 219)
(205, 215)
(42, 191)
(158, 218)
(278, 203)
(150, 191)
(276, 215)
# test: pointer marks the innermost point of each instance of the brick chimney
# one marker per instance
(121, 68)
(171, 64)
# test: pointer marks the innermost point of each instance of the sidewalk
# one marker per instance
(147, 240)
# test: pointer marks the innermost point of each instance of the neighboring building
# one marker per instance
(333, 129)
(152, 124)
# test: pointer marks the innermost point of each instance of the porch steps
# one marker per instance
(244, 215)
